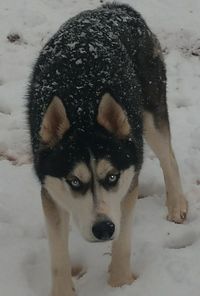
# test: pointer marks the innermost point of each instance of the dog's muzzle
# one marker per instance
(103, 230)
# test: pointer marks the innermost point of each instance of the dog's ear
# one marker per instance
(55, 122)
(112, 117)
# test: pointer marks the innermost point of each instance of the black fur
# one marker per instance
(109, 49)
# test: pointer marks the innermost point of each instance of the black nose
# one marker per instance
(103, 230)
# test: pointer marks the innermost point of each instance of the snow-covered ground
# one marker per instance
(166, 256)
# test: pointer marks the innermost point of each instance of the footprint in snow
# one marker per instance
(181, 241)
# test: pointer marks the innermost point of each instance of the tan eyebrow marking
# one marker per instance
(82, 172)
(103, 168)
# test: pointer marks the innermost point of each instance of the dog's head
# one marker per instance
(88, 173)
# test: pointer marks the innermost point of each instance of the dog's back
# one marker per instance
(97, 50)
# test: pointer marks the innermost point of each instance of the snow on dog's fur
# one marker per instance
(98, 87)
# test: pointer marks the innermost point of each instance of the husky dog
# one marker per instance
(98, 87)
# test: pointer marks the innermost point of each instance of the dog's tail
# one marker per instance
(116, 5)
(124, 7)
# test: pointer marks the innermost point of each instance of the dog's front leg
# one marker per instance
(120, 267)
(58, 226)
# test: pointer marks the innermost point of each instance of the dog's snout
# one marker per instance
(103, 230)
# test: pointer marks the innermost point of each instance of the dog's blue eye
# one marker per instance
(75, 183)
(112, 178)
(110, 181)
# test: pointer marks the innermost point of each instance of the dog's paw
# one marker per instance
(178, 213)
(121, 279)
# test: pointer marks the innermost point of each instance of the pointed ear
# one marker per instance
(112, 117)
(55, 122)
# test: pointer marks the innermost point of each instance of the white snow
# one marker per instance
(166, 256)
